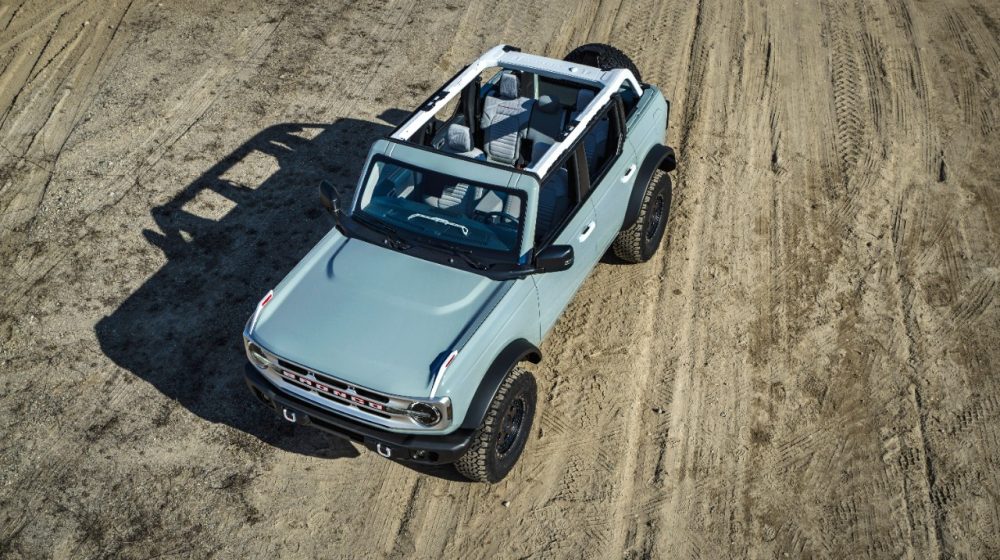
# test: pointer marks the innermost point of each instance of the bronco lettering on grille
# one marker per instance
(312, 384)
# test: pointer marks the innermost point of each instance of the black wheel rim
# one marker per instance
(510, 426)
(655, 218)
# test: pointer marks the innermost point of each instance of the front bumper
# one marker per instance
(428, 449)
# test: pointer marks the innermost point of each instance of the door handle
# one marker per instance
(628, 173)
(587, 231)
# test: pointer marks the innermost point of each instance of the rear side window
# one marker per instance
(601, 143)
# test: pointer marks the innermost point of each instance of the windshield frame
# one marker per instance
(513, 257)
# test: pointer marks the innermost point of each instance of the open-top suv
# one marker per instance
(470, 230)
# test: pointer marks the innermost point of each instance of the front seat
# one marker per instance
(504, 120)
(458, 140)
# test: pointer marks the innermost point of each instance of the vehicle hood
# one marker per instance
(370, 315)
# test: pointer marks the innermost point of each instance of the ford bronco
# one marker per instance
(472, 227)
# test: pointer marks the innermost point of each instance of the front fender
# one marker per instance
(514, 353)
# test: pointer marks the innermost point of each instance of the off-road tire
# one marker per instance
(483, 462)
(639, 242)
(602, 56)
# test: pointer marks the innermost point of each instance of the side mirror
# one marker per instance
(329, 199)
(554, 258)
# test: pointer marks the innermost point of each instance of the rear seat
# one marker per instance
(505, 117)
(546, 125)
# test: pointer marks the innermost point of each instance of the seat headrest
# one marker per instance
(458, 139)
(547, 105)
(583, 98)
(509, 86)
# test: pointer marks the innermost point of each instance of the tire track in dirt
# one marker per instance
(847, 102)
(616, 462)
(636, 532)
(86, 77)
(52, 463)
(694, 398)
(858, 93)
(44, 110)
(851, 453)
(34, 24)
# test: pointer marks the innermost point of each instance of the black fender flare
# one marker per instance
(659, 156)
(515, 352)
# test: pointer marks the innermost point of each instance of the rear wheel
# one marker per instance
(500, 439)
(602, 56)
(639, 242)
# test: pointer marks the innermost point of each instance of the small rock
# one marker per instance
(723, 414)
(505, 504)
(86, 23)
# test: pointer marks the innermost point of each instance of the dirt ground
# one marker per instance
(808, 368)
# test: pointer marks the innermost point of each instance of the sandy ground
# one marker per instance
(808, 368)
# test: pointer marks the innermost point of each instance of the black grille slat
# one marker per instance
(331, 381)
(371, 395)
(292, 367)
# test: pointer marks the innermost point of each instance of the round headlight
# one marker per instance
(424, 414)
(257, 355)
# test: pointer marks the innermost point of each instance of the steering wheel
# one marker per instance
(499, 217)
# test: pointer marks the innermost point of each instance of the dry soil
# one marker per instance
(808, 367)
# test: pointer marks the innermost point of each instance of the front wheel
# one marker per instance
(500, 439)
(639, 242)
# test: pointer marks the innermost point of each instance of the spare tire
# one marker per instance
(602, 56)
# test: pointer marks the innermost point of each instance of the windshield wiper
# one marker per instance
(464, 254)
(435, 219)
(392, 237)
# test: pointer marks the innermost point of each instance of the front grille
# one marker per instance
(348, 399)
(341, 392)
(330, 381)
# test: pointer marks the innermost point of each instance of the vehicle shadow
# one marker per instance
(180, 331)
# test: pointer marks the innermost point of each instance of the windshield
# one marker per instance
(443, 207)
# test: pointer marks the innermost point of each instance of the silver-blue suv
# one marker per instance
(470, 230)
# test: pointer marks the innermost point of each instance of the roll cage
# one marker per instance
(605, 83)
